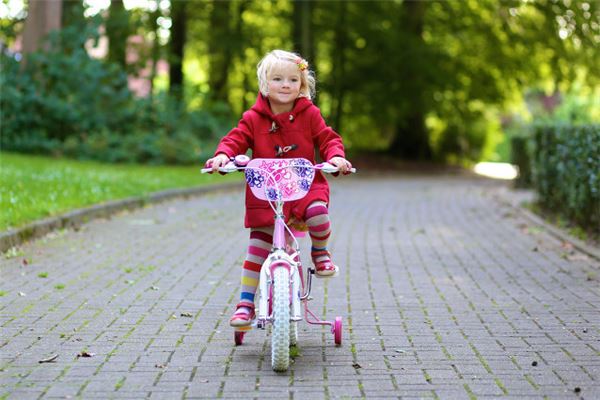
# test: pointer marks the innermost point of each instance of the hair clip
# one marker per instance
(302, 64)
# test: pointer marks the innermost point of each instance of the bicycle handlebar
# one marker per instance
(232, 167)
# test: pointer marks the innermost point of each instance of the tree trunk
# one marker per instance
(177, 46)
(339, 63)
(155, 52)
(302, 30)
(72, 13)
(117, 31)
(411, 140)
(220, 45)
(42, 17)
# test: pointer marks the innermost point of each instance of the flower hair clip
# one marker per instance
(302, 64)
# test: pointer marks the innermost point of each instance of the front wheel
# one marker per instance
(280, 340)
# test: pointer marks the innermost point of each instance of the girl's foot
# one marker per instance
(243, 315)
(324, 267)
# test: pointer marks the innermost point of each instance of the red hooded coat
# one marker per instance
(299, 131)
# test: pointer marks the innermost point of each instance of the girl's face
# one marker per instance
(283, 83)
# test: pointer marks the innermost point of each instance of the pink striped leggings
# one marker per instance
(261, 239)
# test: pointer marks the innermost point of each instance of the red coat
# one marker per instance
(264, 133)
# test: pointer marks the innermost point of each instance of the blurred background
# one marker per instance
(159, 81)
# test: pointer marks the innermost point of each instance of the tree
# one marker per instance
(177, 48)
(302, 31)
(42, 17)
(411, 139)
(220, 50)
(72, 13)
(117, 30)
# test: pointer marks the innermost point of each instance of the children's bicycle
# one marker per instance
(283, 289)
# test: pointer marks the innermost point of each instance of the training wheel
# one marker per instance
(337, 331)
(238, 337)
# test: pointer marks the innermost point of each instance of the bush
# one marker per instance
(61, 92)
(63, 102)
(566, 169)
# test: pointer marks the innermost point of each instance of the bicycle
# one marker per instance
(282, 289)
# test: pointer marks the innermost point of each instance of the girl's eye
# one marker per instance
(277, 79)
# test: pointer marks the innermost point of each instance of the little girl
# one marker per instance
(283, 123)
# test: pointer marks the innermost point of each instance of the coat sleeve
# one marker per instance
(238, 140)
(326, 139)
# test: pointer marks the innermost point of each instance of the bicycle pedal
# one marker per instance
(243, 328)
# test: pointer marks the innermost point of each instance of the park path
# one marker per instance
(446, 292)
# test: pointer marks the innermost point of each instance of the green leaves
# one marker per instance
(567, 171)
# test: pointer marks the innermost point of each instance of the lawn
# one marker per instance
(35, 187)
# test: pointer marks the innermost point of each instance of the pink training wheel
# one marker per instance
(337, 331)
(238, 337)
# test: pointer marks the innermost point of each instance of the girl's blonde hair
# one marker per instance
(277, 57)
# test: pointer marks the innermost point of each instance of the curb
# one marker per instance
(551, 229)
(74, 219)
(558, 233)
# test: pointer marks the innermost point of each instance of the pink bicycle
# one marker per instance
(282, 288)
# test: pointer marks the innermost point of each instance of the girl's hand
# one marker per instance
(217, 162)
(343, 164)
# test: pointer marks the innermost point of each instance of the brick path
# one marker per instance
(445, 293)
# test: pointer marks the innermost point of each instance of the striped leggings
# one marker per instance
(261, 239)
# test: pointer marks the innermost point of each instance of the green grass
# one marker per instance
(36, 187)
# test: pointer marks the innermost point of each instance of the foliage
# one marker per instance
(62, 92)
(87, 111)
(34, 187)
(566, 169)
(385, 68)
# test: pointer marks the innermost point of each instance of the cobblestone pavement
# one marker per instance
(445, 293)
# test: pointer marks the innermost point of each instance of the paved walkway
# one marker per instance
(445, 292)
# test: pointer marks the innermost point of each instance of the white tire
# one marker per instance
(280, 340)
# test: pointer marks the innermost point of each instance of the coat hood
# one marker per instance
(262, 107)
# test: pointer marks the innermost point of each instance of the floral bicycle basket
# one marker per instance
(277, 179)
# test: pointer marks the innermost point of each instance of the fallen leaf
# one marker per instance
(25, 262)
(567, 246)
(85, 354)
(50, 359)
(356, 365)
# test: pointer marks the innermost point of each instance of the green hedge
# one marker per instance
(566, 167)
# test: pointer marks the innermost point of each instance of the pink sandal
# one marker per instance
(326, 268)
(242, 319)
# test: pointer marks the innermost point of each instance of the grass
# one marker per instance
(36, 187)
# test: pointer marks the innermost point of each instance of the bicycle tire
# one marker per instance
(280, 339)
